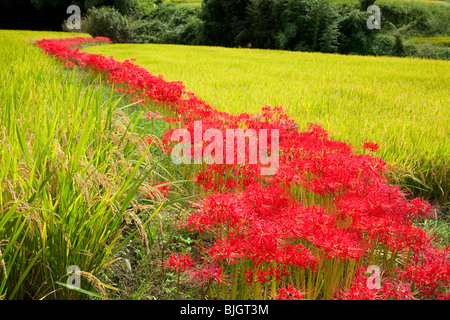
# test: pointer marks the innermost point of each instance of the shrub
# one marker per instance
(382, 45)
(144, 8)
(149, 31)
(426, 19)
(426, 50)
(354, 36)
(168, 24)
(107, 22)
(187, 31)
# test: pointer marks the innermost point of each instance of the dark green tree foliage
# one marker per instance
(321, 26)
(49, 14)
(309, 25)
(291, 19)
(382, 45)
(354, 36)
(261, 22)
(364, 4)
(224, 21)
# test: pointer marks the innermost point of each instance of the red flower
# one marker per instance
(207, 273)
(290, 293)
(371, 146)
(178, 262)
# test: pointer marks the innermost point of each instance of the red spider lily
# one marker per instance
(360, 290)
(279, 273)
(262, 276)
(229, 249)
(178, 262)
(398, 290)
(290, 293)
(429, 270)
(248, 276)
(371, 146)
(207, 273)
(420, 208)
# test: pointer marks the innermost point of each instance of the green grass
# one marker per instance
(400, 103)
(439, 41)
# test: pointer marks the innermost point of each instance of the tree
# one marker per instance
(322, 23)
(354, 36)
(262, 20)
(309, 25)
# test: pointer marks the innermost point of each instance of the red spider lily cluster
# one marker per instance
(178, 262)
(308, 231)
(371, 146)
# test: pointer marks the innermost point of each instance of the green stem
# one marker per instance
(178, 286)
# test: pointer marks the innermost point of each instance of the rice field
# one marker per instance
(69, 170)
(73, 164)
(400, 103)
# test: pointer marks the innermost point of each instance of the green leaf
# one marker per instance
(89, 293)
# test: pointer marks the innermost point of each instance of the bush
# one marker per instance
(425, 19)
(188, 32)
(144, 8)
(382, 45)
(146, 31)
(426, 50)
(354, 36)
(168, 24)
(107, 22)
